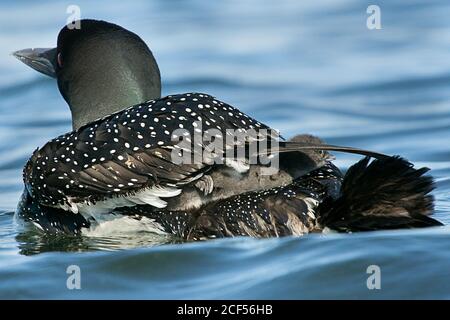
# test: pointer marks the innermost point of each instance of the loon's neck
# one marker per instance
(91, 102)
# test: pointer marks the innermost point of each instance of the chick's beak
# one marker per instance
(40, 59)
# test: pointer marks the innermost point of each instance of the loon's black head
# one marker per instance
(101, 68)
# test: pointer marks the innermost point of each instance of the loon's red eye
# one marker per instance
(59, 60)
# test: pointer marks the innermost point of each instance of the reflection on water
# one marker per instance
(299, 66)
(31, 240)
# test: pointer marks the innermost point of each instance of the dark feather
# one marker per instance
(50, 220)
(385, 194)
(127, 151)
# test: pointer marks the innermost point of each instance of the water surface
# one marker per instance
(299, 66)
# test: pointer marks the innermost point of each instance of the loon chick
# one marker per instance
(119, 156)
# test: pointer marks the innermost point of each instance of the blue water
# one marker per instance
(299, 66)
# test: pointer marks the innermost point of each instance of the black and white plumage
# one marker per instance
(126, 158)
(120, 161)
(278, 211)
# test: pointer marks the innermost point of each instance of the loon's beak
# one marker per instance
(40, 59)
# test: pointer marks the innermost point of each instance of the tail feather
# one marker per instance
(387, 193)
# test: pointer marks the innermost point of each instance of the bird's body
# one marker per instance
(176, 159)
(126, 160)
(265, 211)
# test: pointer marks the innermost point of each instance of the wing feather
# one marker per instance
(131, 151)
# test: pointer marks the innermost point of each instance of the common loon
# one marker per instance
(119, 158)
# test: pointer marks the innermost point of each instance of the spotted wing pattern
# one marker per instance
(128, 152)
(280, 211)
